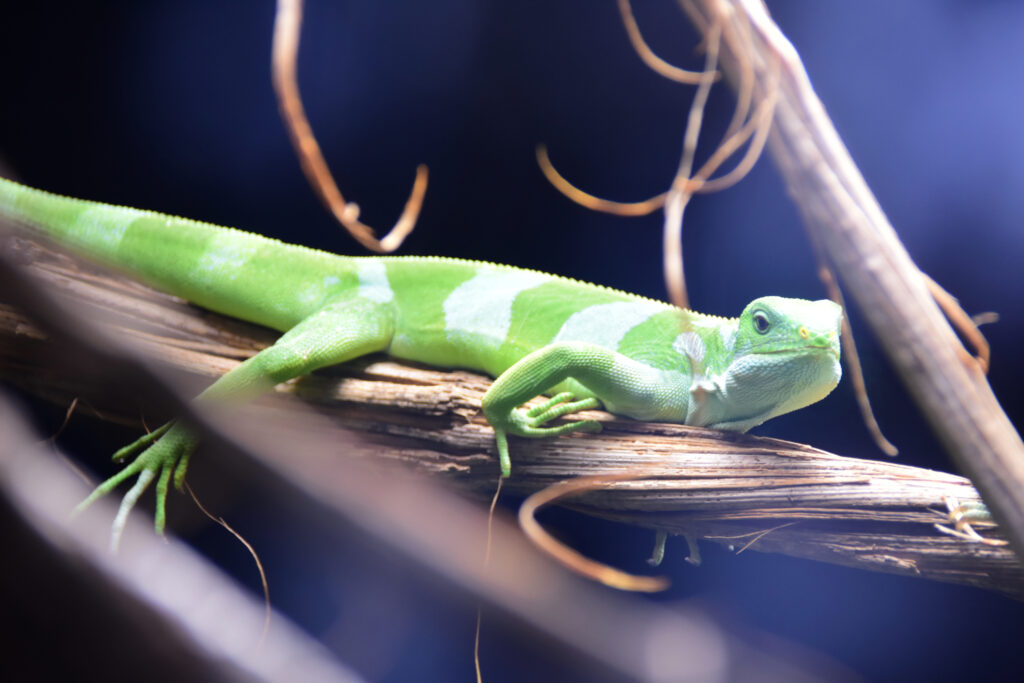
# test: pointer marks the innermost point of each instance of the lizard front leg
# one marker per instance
(343, 329)
(619, 383)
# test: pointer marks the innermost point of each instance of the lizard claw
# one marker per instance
(961, 516)
(140, 444)
(530, 422)
(558, 406)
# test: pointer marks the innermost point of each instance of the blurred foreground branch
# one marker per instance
(723, 487)
(154, 612)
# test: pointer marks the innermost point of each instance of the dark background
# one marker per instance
(168, 106)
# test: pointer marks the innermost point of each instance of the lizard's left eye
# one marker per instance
(761, 322)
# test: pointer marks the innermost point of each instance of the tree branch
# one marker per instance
(842, 215)
(732, 489)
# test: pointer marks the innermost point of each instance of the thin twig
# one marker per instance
(592, 202)
(487, 562)
(287, 26)
(758, 126)
(678, 196)
(267, 610)
(573, 559)
(962, 322)
(656, 63)
(674, 201)
(854, 370)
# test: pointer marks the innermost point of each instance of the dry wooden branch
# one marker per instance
(724, 487)
(842, 214)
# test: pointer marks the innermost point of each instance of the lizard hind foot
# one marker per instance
(163, 453)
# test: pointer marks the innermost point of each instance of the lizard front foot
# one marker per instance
(530, 422)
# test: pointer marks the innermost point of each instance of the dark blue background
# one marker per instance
(168, 106)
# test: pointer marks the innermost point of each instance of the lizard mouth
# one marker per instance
(831, 348)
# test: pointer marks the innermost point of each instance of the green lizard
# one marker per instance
(583, 345)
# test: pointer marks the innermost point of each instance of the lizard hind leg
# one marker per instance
(342, 329)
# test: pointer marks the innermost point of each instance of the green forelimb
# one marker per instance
(619, 383)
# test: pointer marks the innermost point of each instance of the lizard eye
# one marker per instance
(761, 322)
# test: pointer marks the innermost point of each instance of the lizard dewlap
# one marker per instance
(583, 345)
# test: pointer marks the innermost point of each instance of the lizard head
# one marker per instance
(785, 357)
(775, 325)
